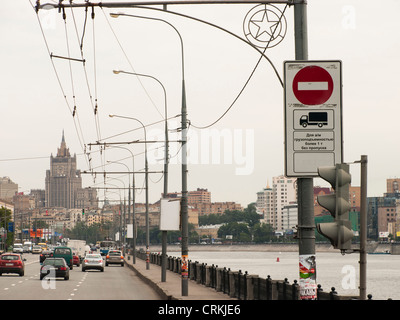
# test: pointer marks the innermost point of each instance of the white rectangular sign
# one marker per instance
(170, 214)
(129, 231)
(313, 116)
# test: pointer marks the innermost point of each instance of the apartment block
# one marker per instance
(273, 202)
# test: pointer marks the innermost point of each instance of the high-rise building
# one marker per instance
(7, 188)
(273, 202)
(265, 204)
(64, 182)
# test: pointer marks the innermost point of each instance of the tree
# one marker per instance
(239, 231)
(262, 233)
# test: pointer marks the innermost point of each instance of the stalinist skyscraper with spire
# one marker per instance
(64, 182)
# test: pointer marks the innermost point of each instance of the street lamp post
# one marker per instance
(166, 160)
(184, 206)
(129, 204)
(146, 168)
(133, 206)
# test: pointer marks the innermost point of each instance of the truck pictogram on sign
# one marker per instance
(314, 119)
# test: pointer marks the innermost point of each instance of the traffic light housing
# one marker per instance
(338, 232)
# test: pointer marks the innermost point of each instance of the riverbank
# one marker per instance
(372, 247)
(275, 247)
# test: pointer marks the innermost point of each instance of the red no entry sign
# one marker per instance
(312, 85)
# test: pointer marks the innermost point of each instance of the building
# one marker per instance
(289, 218)
(264, 204)
(273, 202)
(200, 200)
(217, 208)
(64, 182)
(284, 194)
(7, 188)
(392, 185)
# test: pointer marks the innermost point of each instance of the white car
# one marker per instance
(17, 248)
(37, 249)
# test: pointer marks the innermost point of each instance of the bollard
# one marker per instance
(333, 294)
(269, 288)
(295, 291)
(319, 291)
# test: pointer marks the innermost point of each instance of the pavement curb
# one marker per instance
(160, 291)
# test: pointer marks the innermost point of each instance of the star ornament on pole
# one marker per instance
(265, 26)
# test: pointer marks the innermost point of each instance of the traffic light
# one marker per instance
(338, 232)
(83, 212)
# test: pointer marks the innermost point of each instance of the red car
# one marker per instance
(12, 263)
(75, 260)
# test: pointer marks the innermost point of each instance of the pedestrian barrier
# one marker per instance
(240, 285)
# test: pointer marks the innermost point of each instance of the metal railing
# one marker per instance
(241, 285)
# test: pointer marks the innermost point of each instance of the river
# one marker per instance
(333, 269)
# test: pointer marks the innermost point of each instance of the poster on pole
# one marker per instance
(308, 277)
(170, 214)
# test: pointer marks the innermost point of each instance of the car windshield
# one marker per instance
(94, 256)
(36, 247)
(18, 245)
(114, 253)
(9, 257)
(53, 262)
(62, 251)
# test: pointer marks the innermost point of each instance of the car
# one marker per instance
(44, 255)
(26, 249)
(93, 261)
(76, 260)
(54, 268)
(115, 257)
(18, 248)
(12, 263)
(66, 253)
(36, 250)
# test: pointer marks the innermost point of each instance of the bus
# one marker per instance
(105, 246)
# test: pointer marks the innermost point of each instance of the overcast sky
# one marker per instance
(37, 100)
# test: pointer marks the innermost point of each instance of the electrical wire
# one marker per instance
(129, 62)
(247, 81)
(72, 112)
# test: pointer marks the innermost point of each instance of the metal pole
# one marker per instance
(147, 214)
(184, 205)
(306, 225)
(164, 234)
(363, 229)
(133, 219)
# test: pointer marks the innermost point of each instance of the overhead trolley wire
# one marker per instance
(72, 112)
(129, 62)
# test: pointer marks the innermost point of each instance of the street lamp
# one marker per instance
(164, 233)
(129, 204)
(146, 168)
(184, 205)
(133, 206)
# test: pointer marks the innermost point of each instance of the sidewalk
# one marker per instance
(171, 289)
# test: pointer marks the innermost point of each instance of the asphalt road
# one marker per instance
(115, 283)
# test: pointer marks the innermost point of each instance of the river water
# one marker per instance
(333, 269)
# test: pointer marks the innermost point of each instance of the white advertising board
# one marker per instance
(170, 214)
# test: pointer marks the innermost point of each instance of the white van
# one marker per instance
(29, 245)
